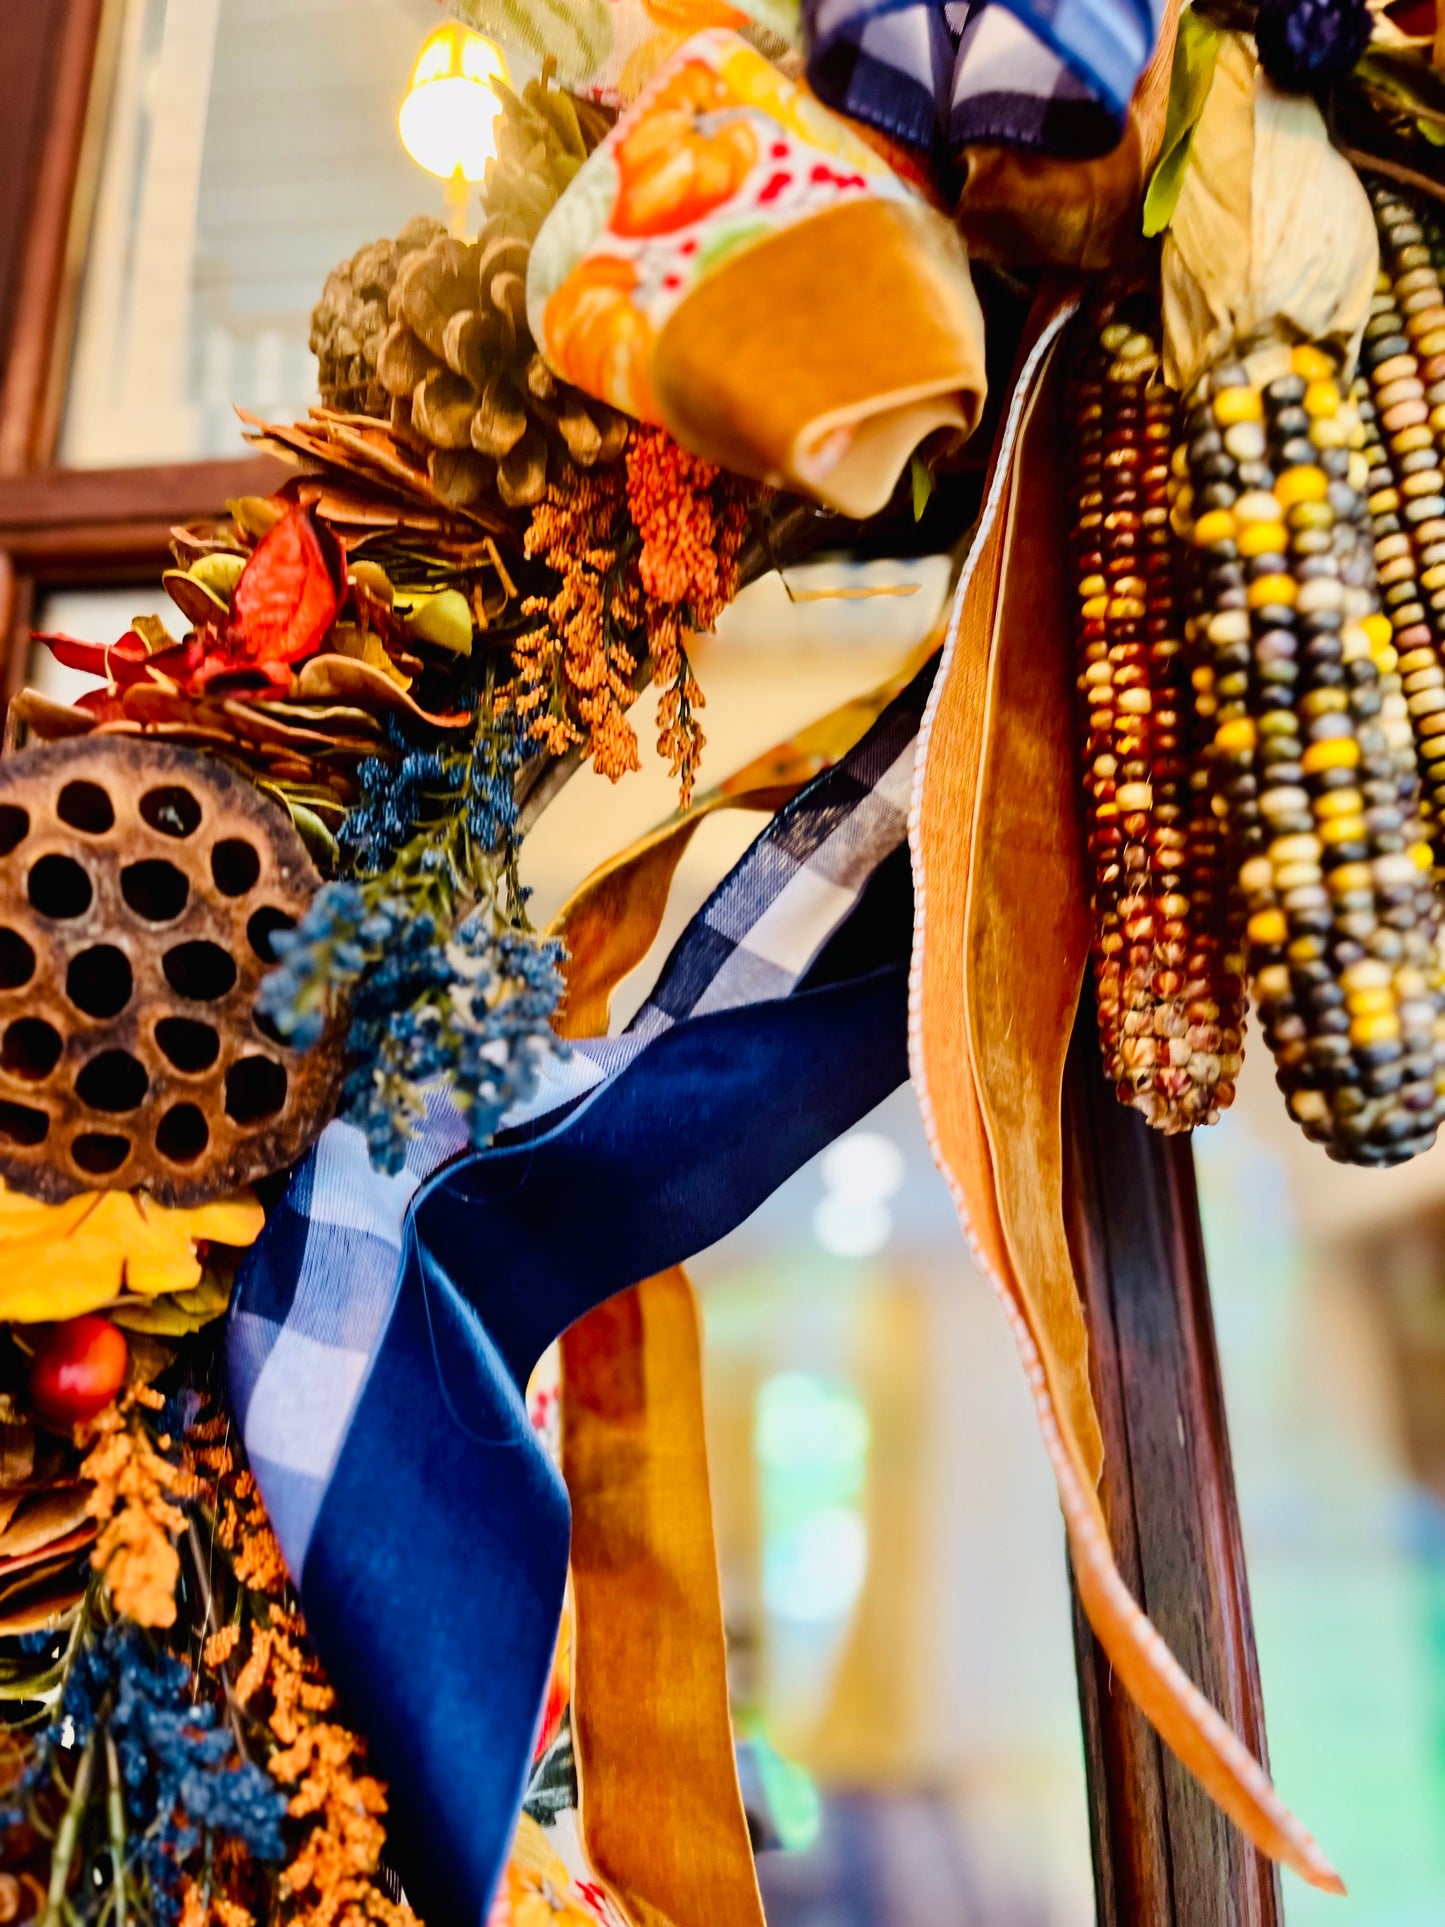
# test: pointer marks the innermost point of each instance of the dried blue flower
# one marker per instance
(181, 1778)
(426, 942)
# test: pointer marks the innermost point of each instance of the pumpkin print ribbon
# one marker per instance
(735, 264)
(1051, 75)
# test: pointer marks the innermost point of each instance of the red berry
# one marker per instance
(77, 1370)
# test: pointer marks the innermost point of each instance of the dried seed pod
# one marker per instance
(1312, 760)
(1170, 1000)
(140, 887)
(1401, 401)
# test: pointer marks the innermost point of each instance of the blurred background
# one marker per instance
(891, 1551)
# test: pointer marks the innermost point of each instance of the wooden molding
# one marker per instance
(38, 294)
(81, 524)
(1164, 1854)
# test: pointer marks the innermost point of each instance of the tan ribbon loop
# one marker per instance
(661, 1814)
(1000, 946)
(661, 1811)
(611, 920)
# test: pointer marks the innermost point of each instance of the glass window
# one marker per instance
(892, 1556)
(250, 146)
(1329, 1298)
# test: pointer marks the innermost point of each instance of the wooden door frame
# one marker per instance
(1164, 1856)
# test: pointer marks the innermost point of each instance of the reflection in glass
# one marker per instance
(250, 146)
(1329, 1296)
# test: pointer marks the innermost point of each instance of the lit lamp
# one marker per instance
(446, 119)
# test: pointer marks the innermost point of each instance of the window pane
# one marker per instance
(250, 146)
(1329, 1298)
(892, 1558)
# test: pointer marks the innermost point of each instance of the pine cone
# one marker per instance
(459, 361)
(348, 322)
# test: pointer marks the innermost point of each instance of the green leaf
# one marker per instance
(177, 1313)
(315, 835)
(1195, 52)
(922, 476)
(1432, 131)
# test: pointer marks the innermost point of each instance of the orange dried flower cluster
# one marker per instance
(330, 1879)
(692, 518)
(212, 1909)
(225, 1894)
(647, 552)
(244, 1530)
(135, 1489)
(576, 668)
(218, 1648)
(669, 496)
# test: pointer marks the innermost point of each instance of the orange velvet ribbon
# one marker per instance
(661, 1813)
(1000, 946)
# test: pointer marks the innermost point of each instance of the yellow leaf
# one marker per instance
(59, 1260)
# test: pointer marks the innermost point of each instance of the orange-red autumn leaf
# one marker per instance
(287, 596)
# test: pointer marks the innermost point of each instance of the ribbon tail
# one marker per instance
(661, 1810)
(994, 987)
(433, 1587)
(435, 1566)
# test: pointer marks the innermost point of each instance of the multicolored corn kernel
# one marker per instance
(1312, 761)
(1400, 395)
(1170, 1002)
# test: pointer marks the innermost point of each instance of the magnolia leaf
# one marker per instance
(1404, 80)
(41, 1520)
(1195, 51)
(445, 621)
(32, 1607)
(219, 572)
(59, 1260)
(197, 603)
(153, 633)
(315, 835)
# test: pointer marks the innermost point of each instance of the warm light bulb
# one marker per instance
(446, 119)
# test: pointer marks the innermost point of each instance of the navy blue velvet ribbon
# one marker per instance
(434, 1579)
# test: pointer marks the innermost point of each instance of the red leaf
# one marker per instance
(119, 662)
(287, 596)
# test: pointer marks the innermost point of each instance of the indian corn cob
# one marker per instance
(1169, 998)
(1401, 400)
(1312, 763)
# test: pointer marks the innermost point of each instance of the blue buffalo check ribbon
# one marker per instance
(1055, 75)
(384, 1329)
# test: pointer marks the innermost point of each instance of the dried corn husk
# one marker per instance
(1272, 232)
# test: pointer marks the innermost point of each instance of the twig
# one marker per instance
(115, 1819)
(213, 1625)
(1396, 171)
(67, 1838)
